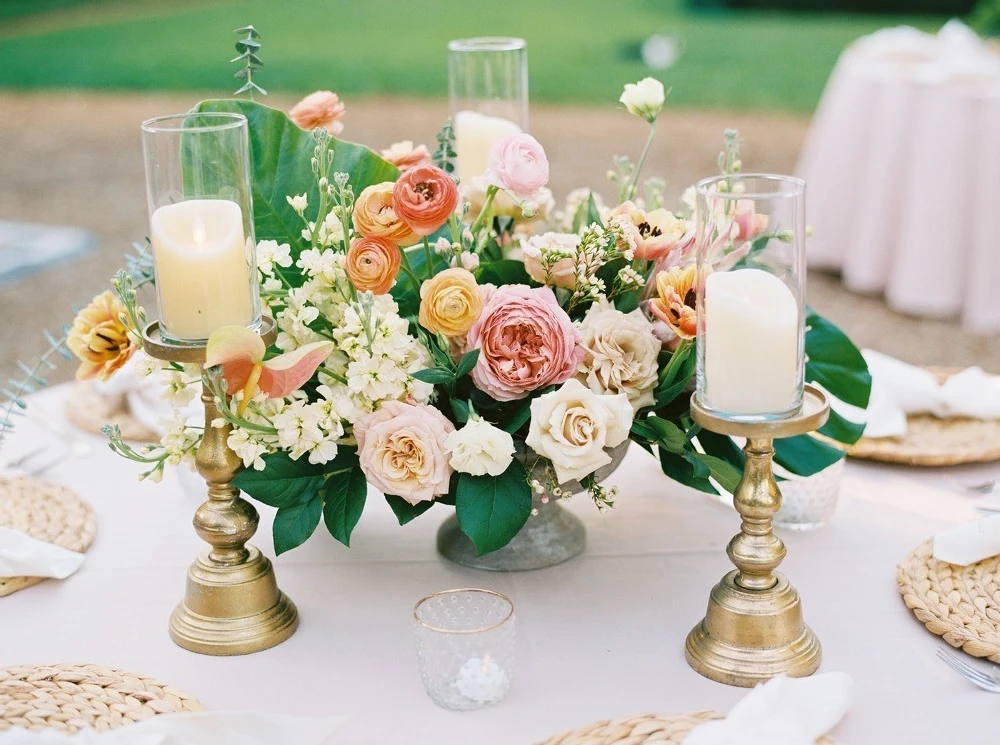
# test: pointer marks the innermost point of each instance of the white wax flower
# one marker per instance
(479, 448)
(644, 98)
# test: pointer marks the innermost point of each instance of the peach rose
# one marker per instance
(405, 156)
(425, 197)
(374, 216)
(372, 264)
(99, 339)
(656, 233)
(319, 110)
(450, 302)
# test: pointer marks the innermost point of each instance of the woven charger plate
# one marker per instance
(649, 729)
(961, 604)
(72, 697)
(45, 511)
(90, 411)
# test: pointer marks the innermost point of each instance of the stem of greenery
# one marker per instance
(430, 258)
(642, 160)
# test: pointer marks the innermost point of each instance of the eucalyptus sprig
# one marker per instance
(248, 49)
(444, 156)
(154, 456)
(33, 380)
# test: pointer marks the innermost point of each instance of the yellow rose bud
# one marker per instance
(450, 302)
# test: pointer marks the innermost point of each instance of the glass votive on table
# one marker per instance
(808, 502)
(465, 647)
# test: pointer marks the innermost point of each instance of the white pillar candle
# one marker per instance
(202, 270)
(751, 343)
(475, 134)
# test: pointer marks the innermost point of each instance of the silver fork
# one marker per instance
(988, 681)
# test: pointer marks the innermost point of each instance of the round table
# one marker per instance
(599, 637)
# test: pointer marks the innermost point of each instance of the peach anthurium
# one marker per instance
(240, 352)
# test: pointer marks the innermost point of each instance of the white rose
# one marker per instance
(644, 98)
(572, 426)
(479, 448)
(620, 351)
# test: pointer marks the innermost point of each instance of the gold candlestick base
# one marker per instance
(232, 604)
(753, 629)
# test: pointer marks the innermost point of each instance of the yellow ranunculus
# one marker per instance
(450, 302)
(99, 339)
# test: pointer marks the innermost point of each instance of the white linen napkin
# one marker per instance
(198, 728)
(24, 556)
(969, 543)
(782, 711)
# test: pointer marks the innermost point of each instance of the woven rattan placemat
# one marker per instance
(649, 729)
(45, 511)
(90, 411)
(72, 697)
(961, 604)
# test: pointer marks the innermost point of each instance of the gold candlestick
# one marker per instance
(753, 629)
(232, 604)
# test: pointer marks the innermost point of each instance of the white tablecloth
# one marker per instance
(903, 170)
(599, 637)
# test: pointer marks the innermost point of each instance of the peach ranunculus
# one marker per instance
(526, 342)
(319, 110)
(675, 303)
(425, 197)
(402, 450)
(656, 233)
(450, 302)
(99, 339)
(372, 264)
(405, 156)
(374, 216)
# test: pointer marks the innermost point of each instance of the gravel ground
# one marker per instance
(75, 159)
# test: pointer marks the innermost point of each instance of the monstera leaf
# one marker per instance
(281, 155)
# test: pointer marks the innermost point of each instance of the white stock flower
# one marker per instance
(644, 98)
(270, 253)
(479, 448)
(620, 352)
(573, 425)
(179, 441)
(299, 202)
(146, 365)
(179, 389)
(248, 447)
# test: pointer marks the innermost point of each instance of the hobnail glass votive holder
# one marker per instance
(465, 647)
(808, 502)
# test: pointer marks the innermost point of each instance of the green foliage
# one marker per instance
(405, 511)
(492, 509)
(32, 379)
(444, 156)
(248, 49)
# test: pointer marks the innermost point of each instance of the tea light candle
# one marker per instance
(482, 680)
(751, 343)
(202, 270)
(475, 134)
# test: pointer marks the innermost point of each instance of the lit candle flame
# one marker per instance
(199, 231)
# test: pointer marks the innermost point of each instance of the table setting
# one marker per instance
(465, 466)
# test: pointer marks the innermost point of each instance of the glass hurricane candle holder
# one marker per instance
(465, 647)
(488, 85)
(751, 296)
(201, 224)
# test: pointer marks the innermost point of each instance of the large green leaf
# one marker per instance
(492, 509)
(724, 473)
(504, 272)
(281, 156)
(344, 501)
(805, 455)
(283, 482)
(835, 363)
(294, 524)
(682, 469)
(405, 511)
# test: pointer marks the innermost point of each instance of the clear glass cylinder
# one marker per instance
(465, 647)
(750, 296)
(201, 224)
(488, 85)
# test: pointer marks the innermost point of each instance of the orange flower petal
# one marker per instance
(289, 371)
(232, 343)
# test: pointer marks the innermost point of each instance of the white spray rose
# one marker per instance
(620, 352)
(572, 426)
(644, 98)
(479, 448)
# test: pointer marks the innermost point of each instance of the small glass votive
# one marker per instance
(465, 647)
(808, 502)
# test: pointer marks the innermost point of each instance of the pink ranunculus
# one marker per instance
(402, 452)
(518, 164)
(526, 342)
(319, 110)
(748, 221)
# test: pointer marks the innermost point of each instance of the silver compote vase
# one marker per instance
(551, 535)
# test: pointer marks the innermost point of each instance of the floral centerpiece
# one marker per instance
(458, 344)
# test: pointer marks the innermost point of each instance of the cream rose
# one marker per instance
(479, 448)
(573, 425)
(620, 351)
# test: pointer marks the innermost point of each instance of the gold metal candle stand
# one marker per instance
(753, 629)
(232, 604)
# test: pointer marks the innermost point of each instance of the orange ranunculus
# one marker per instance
(99, 339)
(450, 302)
(675, 303)
(374, 216)
(405, 156)
(372, 264)
(319, 110)
(425, 197)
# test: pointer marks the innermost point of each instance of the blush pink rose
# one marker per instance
(402, 452)
(518, 164)
(526, 342)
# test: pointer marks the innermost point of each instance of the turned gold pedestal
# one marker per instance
(753, 629)
(232, 604)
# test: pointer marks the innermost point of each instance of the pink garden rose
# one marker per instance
(518, 164)
(526, 342)
(402, 452)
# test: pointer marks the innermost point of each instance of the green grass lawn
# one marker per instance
(580, 50)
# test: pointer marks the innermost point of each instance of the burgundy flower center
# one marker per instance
(425, 190)
(691, 298)
(646, 230)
